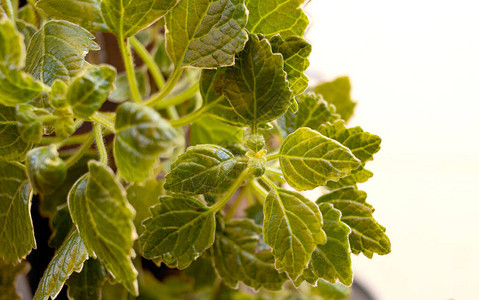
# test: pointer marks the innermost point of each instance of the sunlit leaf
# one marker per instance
(338, 93)
(18, 87)
(122, 91)
(12, 49)
(12, 146)
(331, 291)
(359, 175)
(211, 131)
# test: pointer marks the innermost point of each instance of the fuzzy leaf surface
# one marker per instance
(237, 257)
(205, 33)
(12, 146)
(269, 17)
(85, 13)
(141, 136)
(367, 236)
(179, 231)
(89, 90)
(332, 260)
(362, 144)
(69, 258)
(256, 85)
(88, 283)
(338, 93)
(292, 227)
(200, 169)
(312, 112)
(16, 228)
(104, 218)
(309, 159)
(17, 87)
(57, 51)
(127, 17)
(359, 175)
(295, 51)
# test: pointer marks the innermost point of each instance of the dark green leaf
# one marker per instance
(205, 33)
(181, 228)
(367, 235)
(61, 225)
(202, 272)
(211, 131)
(200, 169)
(57, 51)
(85, 13)
(332, 260)
(331, 291)
(237, 257)
(312, 112)
(309, 159)
(292, 227)
(362, 144)
(122, 91)
(359, 175)
(16, 228)
(269, 17)
(295, 51)
(46, 171)
(67, 259)
(8, 275)
(126, 17)
(12, 146)
(88, 283)
(104, 218)
(255, 212)
(256, 86)
(338, 93)
(141, 137)
(29, 126)
(89, 89)
(142, 196)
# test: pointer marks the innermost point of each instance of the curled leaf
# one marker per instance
(45, 169)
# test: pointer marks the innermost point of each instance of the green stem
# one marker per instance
(180, 98)
(262, 193)
(268, 182)
(129, 68)
(238, 182)
(188, 119)
(274, 172)
(101, 119)
(81, 151)
(76, 124)
(272, 156)
(149, 61)
(166, 89)
(100, 144)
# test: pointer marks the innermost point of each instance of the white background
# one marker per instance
(414, 67)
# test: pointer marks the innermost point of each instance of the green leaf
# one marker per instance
(142, 196)
(332, 260)
(237, 257)
(126, 17)
(28, 14)
(8, 275)
(179, 231)
(89, 89)
(18, 87)
(292, 227)
(46, 171)
(295, 51)
(312, 112)
(202, 273)
(269, 17)
(85, 13)
(200, 169)
(61, 223)
(214, 102)
(338, 93)
(6, 8)
(309, 159)
(362, 144)
(67, 259)
(104, 218)
(12, 48)
(122, 91)
(256, 86)
(142, 135)
(211, 131)
(88, 283)
(16, 228)
(12, 146)
(359, 175)
(29, 126)
(27, 30)
(57, 51)
(205, 33)
(367, 236)
(331, 291)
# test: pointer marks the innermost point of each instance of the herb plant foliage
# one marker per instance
(184, 158)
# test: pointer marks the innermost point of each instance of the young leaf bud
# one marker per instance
(46, 171)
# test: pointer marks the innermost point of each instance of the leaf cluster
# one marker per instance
(190, 168)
